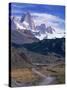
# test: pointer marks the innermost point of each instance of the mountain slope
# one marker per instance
(19, 59)
(22, 37)
(42, 53)
(26, 23)
(46, 46)
(20, 32)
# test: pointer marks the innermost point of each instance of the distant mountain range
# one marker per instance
(24, 30)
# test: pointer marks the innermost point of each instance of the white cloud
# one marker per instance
(50, 20)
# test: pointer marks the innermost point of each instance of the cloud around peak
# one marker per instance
(50, 20)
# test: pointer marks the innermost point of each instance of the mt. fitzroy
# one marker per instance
(24, 30)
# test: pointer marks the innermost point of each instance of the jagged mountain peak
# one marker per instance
(42, 31)
(50, 29)
(28, 19)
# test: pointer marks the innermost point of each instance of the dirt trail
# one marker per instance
(46, 80)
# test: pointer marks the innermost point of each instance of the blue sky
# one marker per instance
(19, 8)
(51, 15)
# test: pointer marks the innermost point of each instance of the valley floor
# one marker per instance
(39, 75)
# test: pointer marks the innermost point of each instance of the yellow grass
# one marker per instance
(26, 74)
(22, 74)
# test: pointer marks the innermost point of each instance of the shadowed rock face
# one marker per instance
(50, 29)
(22, 37)
(29, 20)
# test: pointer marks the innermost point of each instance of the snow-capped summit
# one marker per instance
(50, 30)
(16, 24)
(42, 31)
(28, 21)
(25, 22)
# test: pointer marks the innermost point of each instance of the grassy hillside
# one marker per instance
(47, 57)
